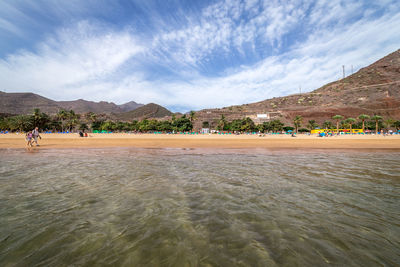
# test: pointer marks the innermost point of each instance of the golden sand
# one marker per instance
(204, 141)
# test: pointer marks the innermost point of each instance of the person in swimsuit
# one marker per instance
(29, 138)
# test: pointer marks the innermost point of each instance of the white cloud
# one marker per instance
(9, 27)
(95, 62)
(310, 65)
(221, 28)
(11, 19)
(72, 58)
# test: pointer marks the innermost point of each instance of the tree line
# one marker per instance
(248, 125)
(363, 121)
(68, 120)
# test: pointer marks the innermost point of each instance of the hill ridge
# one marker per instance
(25, 102)
(374, 89)
(150, 110)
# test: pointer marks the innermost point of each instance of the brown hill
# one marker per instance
(372, 90)
(145, 112)
(83, 106)
(132, 105)
(24, 103)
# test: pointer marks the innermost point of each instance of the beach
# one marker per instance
(205, 141)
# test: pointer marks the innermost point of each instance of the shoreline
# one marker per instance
(121, 140)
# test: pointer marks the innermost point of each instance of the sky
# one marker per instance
(188, 54)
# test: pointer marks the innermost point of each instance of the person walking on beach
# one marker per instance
(29, 138)
(36, 135)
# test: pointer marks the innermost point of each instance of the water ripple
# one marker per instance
(136, 207)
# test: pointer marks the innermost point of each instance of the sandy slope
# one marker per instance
(203, 141)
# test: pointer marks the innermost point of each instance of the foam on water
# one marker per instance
(171, 207)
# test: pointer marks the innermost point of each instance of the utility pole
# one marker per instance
(300, 89)
(344, 74)
(351, 69)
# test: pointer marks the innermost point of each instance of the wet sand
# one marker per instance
(205, 141)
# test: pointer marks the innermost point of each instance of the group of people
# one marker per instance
(32, 137)
(83, 134)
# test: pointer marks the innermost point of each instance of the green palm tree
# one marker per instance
(71, 114)
(83, 126)
(388, 123)
(350, 121)
(91, 117)
(396, 124)
(327, 125)
(72, 123)
(36, 117)
(337, 118)
(312, 124)
(276, 125)
(72, 119)
(297, 122)
(221, 123)
(17, 123)
(376, 118)
(62, 115)
(363, 117)
(192, 116)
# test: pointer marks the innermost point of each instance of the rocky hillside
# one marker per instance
(372, 90)
(83, 106)
(24, 103)
(145, 112)
(130, 106)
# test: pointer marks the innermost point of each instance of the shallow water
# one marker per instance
(138, 207)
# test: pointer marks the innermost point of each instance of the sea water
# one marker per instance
(173, 207)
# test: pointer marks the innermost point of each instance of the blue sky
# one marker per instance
(187, 54)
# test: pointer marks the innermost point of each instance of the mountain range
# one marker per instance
(24, 103)
(374, 89)
(147, 111)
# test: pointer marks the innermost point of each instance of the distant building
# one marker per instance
(205, 130)
(264, 117)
